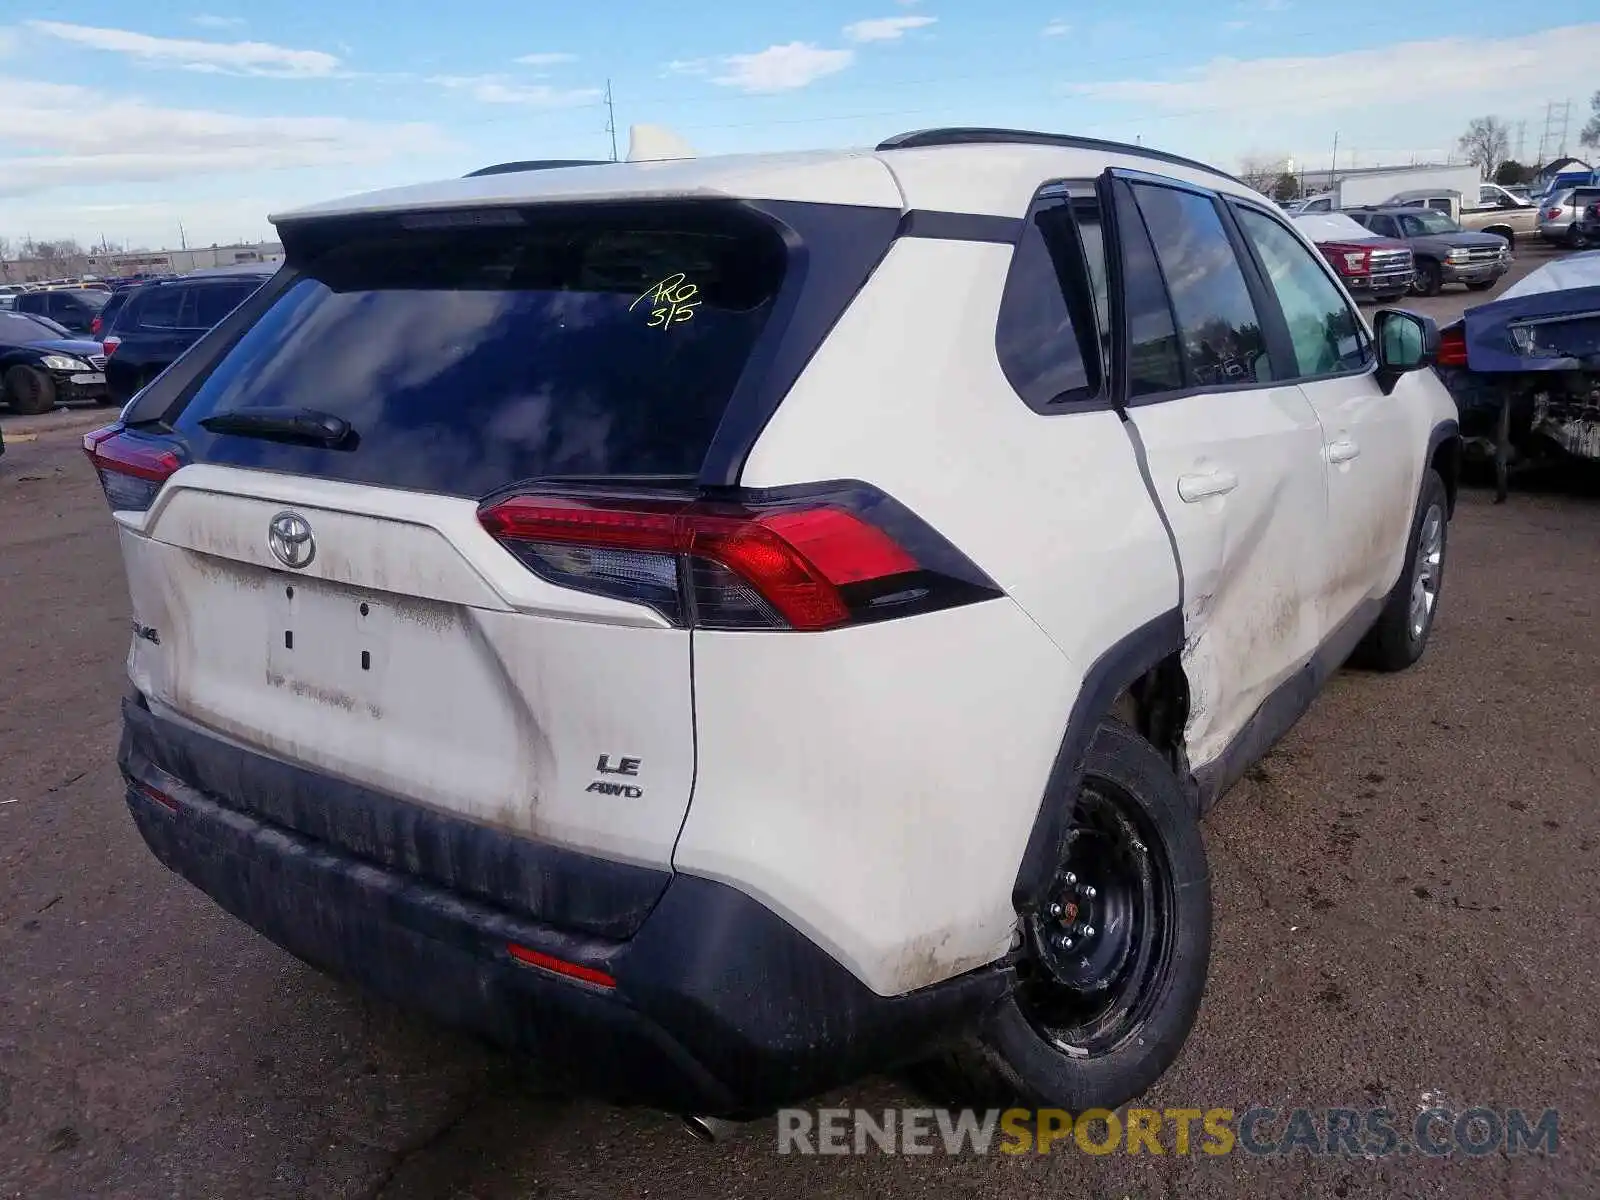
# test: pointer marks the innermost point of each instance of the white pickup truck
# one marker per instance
(1496, 211)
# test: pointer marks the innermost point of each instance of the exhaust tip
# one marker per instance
(708, 1129)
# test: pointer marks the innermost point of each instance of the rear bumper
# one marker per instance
(719, 1006)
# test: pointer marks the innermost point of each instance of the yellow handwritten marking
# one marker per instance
(672, 302)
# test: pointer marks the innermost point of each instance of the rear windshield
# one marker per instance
(466, 357)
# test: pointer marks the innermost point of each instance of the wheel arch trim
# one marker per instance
(1125, 661)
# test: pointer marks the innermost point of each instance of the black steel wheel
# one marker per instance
(1099, 949)
(1113, 960)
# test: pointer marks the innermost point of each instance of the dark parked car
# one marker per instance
(159, 321)
(42, 363)
(73, 308)
(1444, 252)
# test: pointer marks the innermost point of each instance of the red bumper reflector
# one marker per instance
(557, 966)
(161, 798)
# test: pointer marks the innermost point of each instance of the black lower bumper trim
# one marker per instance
(546, 883)
(720, 1006)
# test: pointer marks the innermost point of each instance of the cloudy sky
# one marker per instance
(124, 120)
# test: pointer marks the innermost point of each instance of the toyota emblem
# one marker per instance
(289, 535)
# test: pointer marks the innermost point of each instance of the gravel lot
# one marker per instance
(1406, 897)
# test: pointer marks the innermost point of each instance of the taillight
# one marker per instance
(1453, 347)
(1550, 214)
(94, 327)
(807, 559)
(109, 346)
(131, 468)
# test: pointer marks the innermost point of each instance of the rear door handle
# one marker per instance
(1343, 450)
(1194, 488)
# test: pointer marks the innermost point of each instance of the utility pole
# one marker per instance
(1333, 174)
(611, 121)
(183, 239)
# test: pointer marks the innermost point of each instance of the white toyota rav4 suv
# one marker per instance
(726, 627)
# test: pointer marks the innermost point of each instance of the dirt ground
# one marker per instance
(1407, 900)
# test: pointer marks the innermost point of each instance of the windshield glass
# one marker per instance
(18, 329)
(1425, 222)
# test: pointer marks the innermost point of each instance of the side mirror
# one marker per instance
(1407, 342)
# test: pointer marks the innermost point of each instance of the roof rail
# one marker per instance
(1025, 137)
(535, 164)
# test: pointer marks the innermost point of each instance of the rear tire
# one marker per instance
(1400, 635)
(30, 390)
(1097, 1018)
(1428, 279)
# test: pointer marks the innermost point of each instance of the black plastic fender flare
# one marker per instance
(1127, 659)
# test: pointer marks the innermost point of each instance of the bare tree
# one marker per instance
(1486, 143)
(5, 259)
(1591, 132)
(1261, 172)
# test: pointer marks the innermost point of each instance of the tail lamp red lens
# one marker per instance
(808, 563)
(131, 469)
(109, 346)
(1453, 347)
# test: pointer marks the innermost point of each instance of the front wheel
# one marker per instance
(31, 391)
(1429, 279)
(1113, 965)
(1401, 633)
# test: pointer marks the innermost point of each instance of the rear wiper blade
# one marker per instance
(304, 425)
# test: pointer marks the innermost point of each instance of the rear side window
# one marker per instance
(1050, 355)
(213, 301)
(160, 308)
(1220, 332)
(586, 343)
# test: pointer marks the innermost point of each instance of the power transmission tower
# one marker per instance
(1553, 114)
(611, 121)
(1522, 140)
